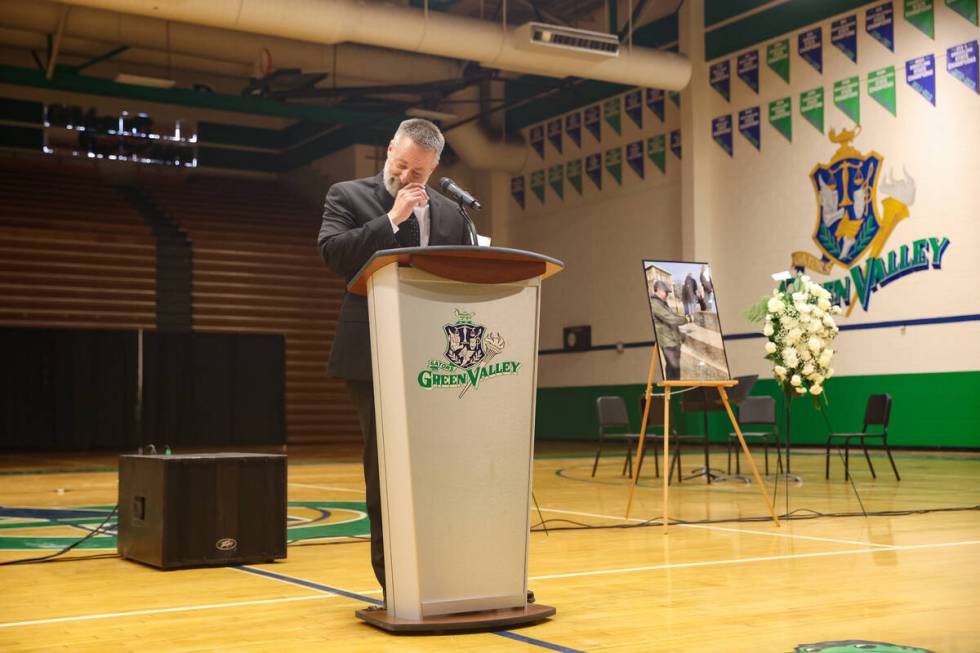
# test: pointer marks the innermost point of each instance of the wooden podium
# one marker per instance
(454, 342)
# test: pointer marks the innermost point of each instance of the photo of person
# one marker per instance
(684, 309)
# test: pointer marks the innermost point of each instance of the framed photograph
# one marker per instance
(686, 326)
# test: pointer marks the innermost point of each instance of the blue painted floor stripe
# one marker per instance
(536, 642)
(309, 584)
(360, 597)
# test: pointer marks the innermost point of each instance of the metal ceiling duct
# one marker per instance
(347, 63)
(411, 30)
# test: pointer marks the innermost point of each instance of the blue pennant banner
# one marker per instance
(634, 157)
(844, 36)
(593, 121)
(749, 125)
(961, 63)
(720, 75)
(655, 100)
(554, 133)
(593, 169)
(517, 189)
(675, 143)
(721, 132)
(573, 127)
(633, 104)
(810, 47)
(879, 22)
(747, 69)
(920, 74)
(537, 140)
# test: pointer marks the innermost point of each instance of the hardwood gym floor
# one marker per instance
(911, 579)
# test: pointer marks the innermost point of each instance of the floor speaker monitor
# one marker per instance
(202, 509)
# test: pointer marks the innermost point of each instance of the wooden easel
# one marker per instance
(667, 385)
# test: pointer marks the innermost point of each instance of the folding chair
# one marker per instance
(876, 413)
(611, 414)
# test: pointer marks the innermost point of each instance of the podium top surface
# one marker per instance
(204, 456)
(468, 264)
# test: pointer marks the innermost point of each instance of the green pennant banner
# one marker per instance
(614, 163)
(965, 8)
(811, 107)
(556, 179)
(657, 151)
(921, 14)
(777, 58)
(573, 172)
(847, 97)
(881, 88)
(612, 111)
(537, 184)
(781, 117)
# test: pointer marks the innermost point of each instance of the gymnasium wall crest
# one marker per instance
(852, 229)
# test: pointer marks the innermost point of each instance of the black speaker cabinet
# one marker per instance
(207, 509)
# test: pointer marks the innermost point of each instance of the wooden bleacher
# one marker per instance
(73, 253)
(257, 269)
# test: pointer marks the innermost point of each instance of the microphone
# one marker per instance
(458, 194)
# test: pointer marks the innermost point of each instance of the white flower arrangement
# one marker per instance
(800, 331)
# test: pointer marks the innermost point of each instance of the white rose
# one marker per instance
(801, 391)
(805, 279)
(814, 327)
(799, 297)
(789, 357)
(804, 308)
(823, 303)
(779, 370)
(796, 380)
(770, 348)
(792, 335)
(825, 357)
(817, 379)
(775, 305)
(816, 389)
(768, 330)
(815, 344)
(768, 317)
(828, 321)
(808, 369)
(806, 355)
(835, 309)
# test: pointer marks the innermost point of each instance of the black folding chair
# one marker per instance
(876, 413)
(755, 412)
(611, 414)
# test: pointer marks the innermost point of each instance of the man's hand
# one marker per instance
(410, 196)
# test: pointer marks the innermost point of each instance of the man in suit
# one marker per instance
(392, 209)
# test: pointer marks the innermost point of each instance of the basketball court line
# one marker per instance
(327, 487)
(185, 608)
(723, 528)
(332, 593)
(359, 596)
(709, 563)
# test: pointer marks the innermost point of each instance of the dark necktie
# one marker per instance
(408, 233)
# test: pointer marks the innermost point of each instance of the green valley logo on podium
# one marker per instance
(469, 359)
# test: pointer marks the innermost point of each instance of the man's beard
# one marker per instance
(392, 183)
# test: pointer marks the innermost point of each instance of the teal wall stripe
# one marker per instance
(928, 410)
(716, 11)
(769, 24)
(184, 97)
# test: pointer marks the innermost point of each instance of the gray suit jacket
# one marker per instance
(355, 226)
